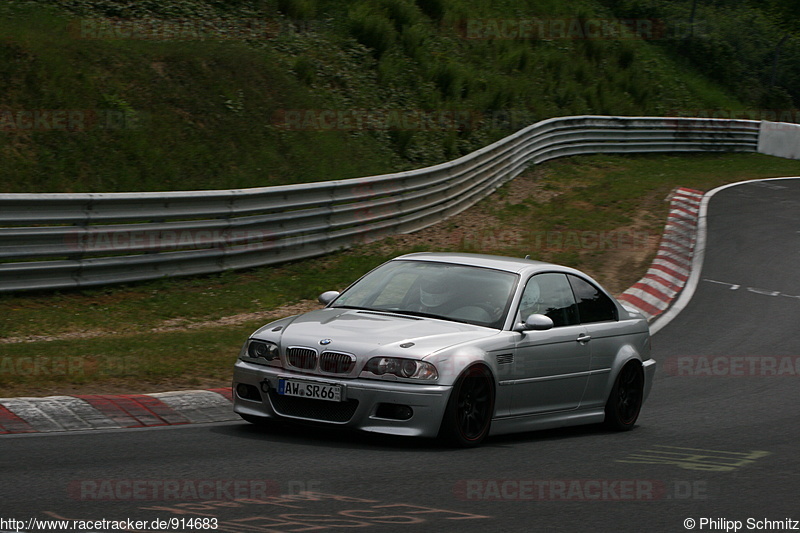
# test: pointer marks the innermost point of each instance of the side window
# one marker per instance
(593, 304)
(549, 294)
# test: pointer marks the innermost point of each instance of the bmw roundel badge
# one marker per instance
(325, 342)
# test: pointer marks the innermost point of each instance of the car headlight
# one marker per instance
(256, 349)
(402, 368)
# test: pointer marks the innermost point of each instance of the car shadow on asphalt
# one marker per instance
(324, 436)
(333, 437)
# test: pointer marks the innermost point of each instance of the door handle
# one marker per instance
(583, 338)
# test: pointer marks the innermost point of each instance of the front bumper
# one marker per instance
(360, 409)
(649, 368)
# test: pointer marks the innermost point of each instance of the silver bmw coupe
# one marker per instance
(459, 346)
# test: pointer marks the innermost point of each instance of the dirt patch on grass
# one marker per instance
(616, 258)
(177, 324)
(619, 268)
(480, 228)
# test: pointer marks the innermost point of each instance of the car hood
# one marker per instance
(369, 333)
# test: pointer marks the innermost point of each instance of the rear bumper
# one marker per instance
(361, 407)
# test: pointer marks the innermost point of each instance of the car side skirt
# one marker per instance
(575, 417)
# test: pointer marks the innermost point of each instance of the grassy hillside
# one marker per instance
(184, 109)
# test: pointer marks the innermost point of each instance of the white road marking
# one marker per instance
(732, 286)
(755, 290)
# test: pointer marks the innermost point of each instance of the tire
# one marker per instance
(625, 400)
(469, 411)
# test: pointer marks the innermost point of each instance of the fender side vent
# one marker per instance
(505, 358)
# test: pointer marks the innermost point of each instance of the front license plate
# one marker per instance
(308, 389)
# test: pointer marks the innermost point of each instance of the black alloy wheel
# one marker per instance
(468, 416)
(625, 401)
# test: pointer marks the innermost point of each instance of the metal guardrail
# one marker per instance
(56, 241)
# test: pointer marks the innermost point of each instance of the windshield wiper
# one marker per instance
(418, 314)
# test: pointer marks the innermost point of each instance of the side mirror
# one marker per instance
(535, 322)
(327, 297)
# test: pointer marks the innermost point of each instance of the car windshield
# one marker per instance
(473, 295)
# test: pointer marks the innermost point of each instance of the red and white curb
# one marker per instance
(650, 296)
(72, 413)
(671, 268)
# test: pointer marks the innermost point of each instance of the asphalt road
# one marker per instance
(717, 440)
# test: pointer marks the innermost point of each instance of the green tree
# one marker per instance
(784, 14)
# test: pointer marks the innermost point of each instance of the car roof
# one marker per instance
(508, 264)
